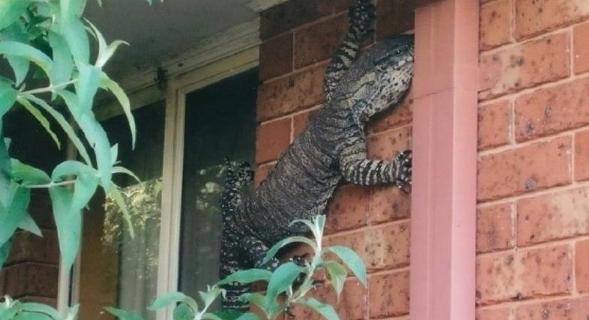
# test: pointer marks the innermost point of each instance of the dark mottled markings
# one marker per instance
(332, 148)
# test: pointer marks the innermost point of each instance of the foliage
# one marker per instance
(47, 44)
(285, 288)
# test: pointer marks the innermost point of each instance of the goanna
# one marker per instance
(332, 148)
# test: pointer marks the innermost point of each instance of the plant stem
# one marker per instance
(51, 184)
(50, 88)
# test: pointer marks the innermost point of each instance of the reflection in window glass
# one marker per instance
(117, 269)
(220, 123)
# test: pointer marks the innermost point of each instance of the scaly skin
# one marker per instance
(332, 148)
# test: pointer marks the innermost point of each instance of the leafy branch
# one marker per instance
(49, 40)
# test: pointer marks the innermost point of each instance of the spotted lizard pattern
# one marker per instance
(331, 149)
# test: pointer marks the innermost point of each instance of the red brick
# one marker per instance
(393, 117)
(31, 279)
(544, 271)
(272, 139)
(394, 17)
(291, 14)
(31, 248)
(355, 241)
(551, 110)
(581, 48)
(529, 168)
(526, 274)
(348, 208)
(502, 313)
(495, 276)
(564, 309)
(553, 216)
(389, 294)
(262, 172)
(387, 246)
(525, 65)
(495, 228)
(534, 17)
(40, 209)
(301, 121)
(276, 56)
(582, 265)
(386, 145)
(388, 203)
(350, 305)
(582, 155)
(495, 24)
(494, 124)
(319, 41)
(292, 93)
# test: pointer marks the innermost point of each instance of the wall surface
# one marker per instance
(533, 167)
(298, 38)
(31, 271)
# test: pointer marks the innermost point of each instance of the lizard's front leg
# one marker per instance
(357, 169)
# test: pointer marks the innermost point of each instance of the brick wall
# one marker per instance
(533, 167)
(298, 37)
(31, 271)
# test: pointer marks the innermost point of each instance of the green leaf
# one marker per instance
(256, 299)
(12, 215)
(115, 194)
(97, 137)
(28, 175)
(352, 260)
(11, 10)
(69, 224)
(20, 66)
(4, 253)
(282, 279)
(212, 316)
(87, 86)
(183, 312)
(248, 316)
(171, 298)
(337, 275)
(284, 242)
(63, 64)
(247, 276)
(67, 205)
(13, 48)
(24, 315)
(75, 36)
(123, 314)
(40, 118)
(326, 310)
(105, 51)
(72, 8)
(227, 314)
(64, 124)
(28, 224)
(7, 97)
(123, 99)
(41, 308)
(123, 170)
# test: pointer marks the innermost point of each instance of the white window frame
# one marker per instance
(222, 56)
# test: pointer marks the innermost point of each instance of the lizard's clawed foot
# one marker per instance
(404, 164)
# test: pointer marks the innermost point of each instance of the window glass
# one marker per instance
(220, 123)
(117, 269)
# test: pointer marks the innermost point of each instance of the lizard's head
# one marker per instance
(381, 77)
